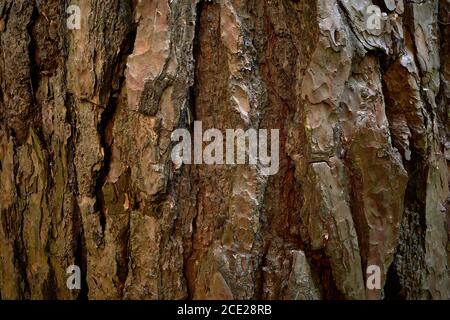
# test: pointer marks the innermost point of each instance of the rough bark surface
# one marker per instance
(86, 176)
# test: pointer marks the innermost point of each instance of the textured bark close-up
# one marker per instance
(88, 178)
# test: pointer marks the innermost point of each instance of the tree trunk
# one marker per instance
(87, 177)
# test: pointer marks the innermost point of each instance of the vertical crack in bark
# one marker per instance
(19, 255)
(124, 256)
(81, 259)
(405, 275)
(190, 171)
(34, 72)
(79, 246)
(105, 126)
(105, 130)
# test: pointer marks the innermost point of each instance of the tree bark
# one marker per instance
(87, 179)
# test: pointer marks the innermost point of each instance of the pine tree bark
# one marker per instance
(86, 176)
